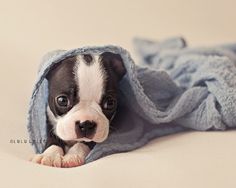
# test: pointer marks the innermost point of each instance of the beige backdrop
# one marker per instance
(28, 29)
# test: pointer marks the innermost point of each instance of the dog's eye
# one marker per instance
(62, 101)
(109, 103)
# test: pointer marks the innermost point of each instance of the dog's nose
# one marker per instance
(86, 128)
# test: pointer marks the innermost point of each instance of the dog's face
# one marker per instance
(83, 96)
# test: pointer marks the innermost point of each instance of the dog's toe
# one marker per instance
(72, 160)
(57, 162)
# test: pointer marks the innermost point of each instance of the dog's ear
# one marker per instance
(115, 62)
(62, 67)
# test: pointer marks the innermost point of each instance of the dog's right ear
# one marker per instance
(115, 62)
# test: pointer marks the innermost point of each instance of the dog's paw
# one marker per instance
(48, 160)
(51, 157)
(72, 160)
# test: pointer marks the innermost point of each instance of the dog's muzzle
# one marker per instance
(84, 122)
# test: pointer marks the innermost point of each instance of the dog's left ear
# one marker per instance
(115, 62)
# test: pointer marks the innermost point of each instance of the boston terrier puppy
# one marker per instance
(83, 94)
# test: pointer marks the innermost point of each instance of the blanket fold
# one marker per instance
(173, 89)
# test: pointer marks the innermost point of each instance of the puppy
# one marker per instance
(82, 102)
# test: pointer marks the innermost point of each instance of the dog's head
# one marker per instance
(83, 96)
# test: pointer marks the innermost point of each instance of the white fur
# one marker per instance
(79, 149)
(90, 79)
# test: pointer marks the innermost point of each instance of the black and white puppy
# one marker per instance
(81, 104)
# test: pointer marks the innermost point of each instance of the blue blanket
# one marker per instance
(171, 89)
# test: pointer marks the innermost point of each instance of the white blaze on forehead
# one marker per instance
(90, 79)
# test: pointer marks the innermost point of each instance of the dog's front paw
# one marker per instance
(48, 160)
(51, 157)
(72, 160)
(75, 156)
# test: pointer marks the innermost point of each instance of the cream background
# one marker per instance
(28, 29)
